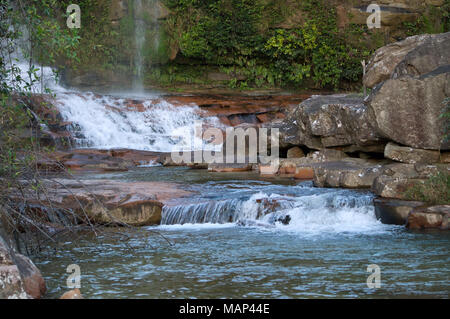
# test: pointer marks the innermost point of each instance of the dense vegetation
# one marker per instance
(434, 191)
(251, 43)
(30, 31)
(239, 37)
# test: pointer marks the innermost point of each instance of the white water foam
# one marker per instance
(106, 122)
(331, 212)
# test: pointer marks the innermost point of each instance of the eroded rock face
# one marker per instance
(330, 121)
(240, 109)
(430, 55)
(397, 179)
(410, 155)
(351, 173)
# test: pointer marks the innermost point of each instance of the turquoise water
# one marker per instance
(324, 251)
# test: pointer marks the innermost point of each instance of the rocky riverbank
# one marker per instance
(388, 141)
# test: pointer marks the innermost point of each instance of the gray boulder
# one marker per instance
(408, 110)
(433, 53)
(330, 121)
(416, 55)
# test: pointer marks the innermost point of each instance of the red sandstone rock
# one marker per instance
(304, 173)
(430, 217)
(72, 294)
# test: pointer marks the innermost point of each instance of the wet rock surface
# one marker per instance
(97, 160)
(394, 212)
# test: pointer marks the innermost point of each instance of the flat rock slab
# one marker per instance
(113, 202)
(229, 168)
(96, 160)
(410, 155)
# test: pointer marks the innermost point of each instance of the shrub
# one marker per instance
(435, 190)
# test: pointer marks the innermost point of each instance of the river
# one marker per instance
(324, 251)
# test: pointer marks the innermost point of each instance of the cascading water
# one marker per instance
(219, 212)
(302, 209)
(103, 121)
(139, 37)
(107, 122)
(146, 36)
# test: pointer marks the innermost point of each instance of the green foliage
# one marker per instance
(434, 20)
(43, 40)
(446, 116)
(194, 44)
(36, 25)
(434, 191)
(316, 50)
(218, 31)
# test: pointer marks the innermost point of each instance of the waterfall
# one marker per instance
(139, 37)
(109, 122)
(146, 35)
(330, 211)
(104, 121)
(219, 212)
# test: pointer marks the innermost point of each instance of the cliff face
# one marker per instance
(241, 43)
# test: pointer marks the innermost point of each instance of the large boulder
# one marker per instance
(433, 53)
(409, 56)
(330, 121)
(408, 110)
(411, 79)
